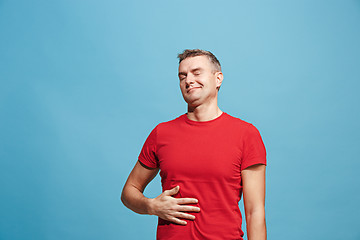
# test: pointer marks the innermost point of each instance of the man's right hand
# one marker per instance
(171, 209)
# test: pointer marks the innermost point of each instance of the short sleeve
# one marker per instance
(253, 148)
(147, 155)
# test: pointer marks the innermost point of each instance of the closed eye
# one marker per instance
(182, 75)
(196, 71)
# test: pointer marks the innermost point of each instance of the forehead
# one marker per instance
(195, 62)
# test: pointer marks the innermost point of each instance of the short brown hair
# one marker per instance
(198, 52)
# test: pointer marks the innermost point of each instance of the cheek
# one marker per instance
(182, 87)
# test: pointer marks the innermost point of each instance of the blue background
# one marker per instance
(84, 82)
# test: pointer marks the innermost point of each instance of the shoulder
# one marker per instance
(175, 120)
(238, 121)
(170, 123)
(242, 126)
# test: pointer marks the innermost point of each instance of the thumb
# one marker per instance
(173, 191)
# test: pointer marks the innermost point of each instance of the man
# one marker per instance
(207, 160)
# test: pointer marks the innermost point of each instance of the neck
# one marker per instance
(203, 112)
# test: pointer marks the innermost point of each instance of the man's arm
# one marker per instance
(253, 179)
(164, 206)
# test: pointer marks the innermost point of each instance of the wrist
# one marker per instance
(149, 206)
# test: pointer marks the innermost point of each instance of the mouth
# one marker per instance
(189, 89)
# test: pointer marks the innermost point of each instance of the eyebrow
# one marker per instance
(192, 70)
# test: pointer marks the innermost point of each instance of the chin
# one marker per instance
(193, 102)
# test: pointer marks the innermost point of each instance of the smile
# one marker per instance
(192, 89)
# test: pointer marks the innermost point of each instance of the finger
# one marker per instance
(186, 200)
(188, 209)
(172, 191)
(178, 221)
(184, 215)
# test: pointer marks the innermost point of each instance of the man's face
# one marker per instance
(198, 80)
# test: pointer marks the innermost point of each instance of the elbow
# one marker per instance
(123, 197)
(257, 213)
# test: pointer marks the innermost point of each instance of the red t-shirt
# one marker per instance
(205, 159)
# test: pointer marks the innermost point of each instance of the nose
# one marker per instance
(189, 80)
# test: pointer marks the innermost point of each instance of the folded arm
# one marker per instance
(132, 194)
(164, 206)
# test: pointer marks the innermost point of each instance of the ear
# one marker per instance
(219, 78)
